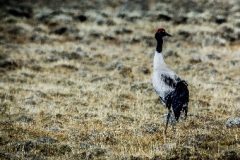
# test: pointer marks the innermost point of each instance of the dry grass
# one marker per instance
(97, 102)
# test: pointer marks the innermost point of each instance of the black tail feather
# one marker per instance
(178, 99)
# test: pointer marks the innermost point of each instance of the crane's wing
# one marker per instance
(164, 83)
(170, 80)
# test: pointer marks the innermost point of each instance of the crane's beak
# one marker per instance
(168, 34)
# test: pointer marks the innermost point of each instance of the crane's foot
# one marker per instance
(173, 122)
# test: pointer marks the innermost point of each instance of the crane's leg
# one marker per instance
(185, 109)
(168, 116)
(173, 121)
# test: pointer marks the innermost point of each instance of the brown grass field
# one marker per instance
(75, 79)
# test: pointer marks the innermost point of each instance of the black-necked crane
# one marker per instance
(172, 91)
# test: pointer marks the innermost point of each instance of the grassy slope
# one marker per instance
(93, 110)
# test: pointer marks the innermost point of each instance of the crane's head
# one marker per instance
(161, 33)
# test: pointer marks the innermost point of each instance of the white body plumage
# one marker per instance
(163, 78)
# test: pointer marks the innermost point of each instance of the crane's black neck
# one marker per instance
(159, 45)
